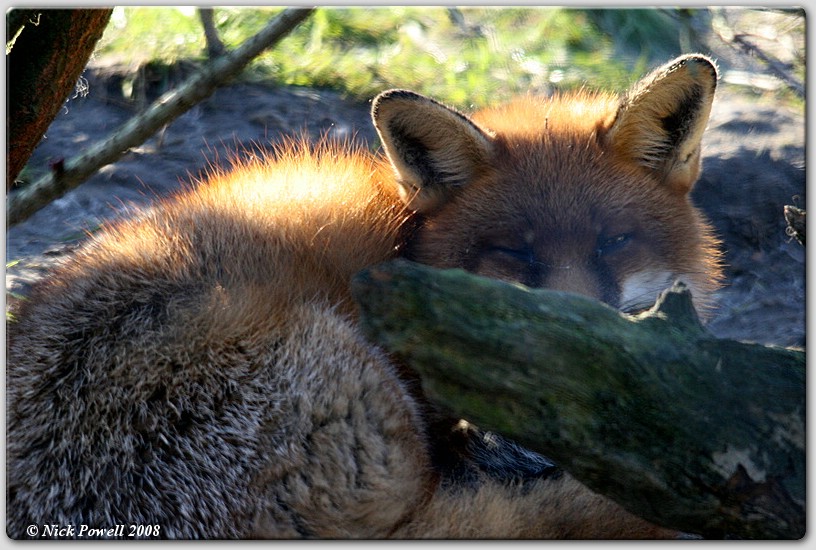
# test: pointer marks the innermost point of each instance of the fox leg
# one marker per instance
(352, 461)
(494, 488)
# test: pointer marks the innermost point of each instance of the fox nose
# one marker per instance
(580, 280)
(569, 279)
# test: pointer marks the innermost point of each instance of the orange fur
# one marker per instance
(199, 366)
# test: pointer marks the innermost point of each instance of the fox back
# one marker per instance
(199, 367)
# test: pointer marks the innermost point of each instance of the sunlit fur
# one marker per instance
(557, 184)
(199, 366)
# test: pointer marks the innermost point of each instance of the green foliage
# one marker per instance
(654, 33)
(140, 35)
(467, 57)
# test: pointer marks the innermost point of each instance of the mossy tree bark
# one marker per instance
(686, 430)
(44, 65)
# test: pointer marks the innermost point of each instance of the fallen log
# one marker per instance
(689, 431)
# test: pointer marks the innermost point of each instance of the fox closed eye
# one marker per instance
(610, 245)
(577, 192)
(605, 246)
(520, 254)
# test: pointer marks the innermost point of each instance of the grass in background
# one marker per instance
(135, 36)
(467, 57)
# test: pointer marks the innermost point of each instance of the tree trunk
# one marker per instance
(44, 65)
(215, 48)
(164, 110)
(681, 428)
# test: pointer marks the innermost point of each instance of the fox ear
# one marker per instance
(661, 119)
(434, 149)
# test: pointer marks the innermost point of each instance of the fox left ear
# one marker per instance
(434, 149)
(661, 119)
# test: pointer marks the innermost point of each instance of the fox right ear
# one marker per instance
(434, 149)
(660, 121)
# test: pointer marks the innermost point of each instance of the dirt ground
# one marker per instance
(754, 164)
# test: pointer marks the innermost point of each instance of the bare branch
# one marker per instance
(739, 41)
(215, 48)
(164, 110)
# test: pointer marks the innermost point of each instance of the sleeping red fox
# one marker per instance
(198, 370)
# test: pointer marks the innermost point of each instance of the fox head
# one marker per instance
(582, 192)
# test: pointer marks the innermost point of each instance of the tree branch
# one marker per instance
(681, 428)
(739, 41)
(215, 48)
(164, 110)
(775, 66)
